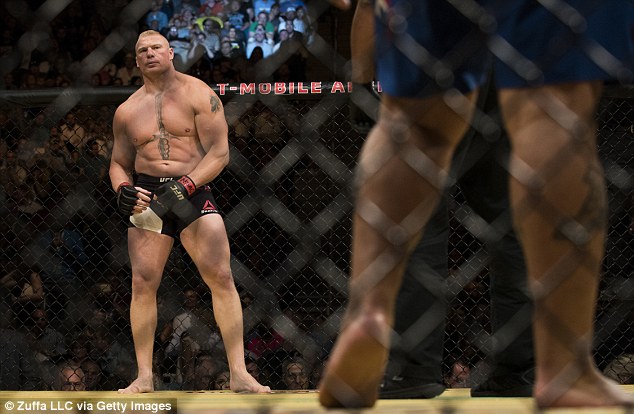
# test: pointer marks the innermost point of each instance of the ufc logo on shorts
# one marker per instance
(177, 192)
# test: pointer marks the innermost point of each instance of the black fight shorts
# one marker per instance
(202, 202)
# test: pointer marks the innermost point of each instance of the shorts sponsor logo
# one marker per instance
(208, 207)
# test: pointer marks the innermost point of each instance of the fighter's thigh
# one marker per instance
(430, 121)
(206, 241)
(562, 109)
(148, 252)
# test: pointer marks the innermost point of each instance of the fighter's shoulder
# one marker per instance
(131, 101)
(196, 85)
(128, 105)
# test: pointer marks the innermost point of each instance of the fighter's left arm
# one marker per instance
(213, 132)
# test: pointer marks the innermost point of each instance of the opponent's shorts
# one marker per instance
(202, 202)
(426, 46)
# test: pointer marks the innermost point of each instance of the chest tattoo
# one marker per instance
(163, 136)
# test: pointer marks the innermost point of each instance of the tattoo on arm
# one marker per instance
(163, 136)
(215, 103)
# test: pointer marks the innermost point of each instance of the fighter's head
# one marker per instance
(153, 52)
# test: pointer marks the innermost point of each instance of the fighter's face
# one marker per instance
(153, 52)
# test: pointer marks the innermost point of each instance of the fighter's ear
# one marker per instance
(171, 54)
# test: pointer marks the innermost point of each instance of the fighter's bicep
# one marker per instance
(211, 123)
(123, 150)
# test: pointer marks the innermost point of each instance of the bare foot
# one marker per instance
(138, 386)
(591, 390)
(355, 369)
(246, 383)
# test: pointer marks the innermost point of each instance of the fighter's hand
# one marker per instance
(126, 199)
(131, 200)
(173, 195)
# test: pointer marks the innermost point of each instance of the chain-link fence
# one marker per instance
(286, 202)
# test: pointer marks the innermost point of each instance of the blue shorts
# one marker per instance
(202, 203)
(426, 46)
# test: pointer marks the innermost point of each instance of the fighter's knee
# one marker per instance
(143, 284)
(219, 278)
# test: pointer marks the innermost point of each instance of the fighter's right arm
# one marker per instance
(122, 166)
(123, 152)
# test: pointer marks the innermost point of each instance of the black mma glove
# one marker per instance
(126, 198)
(364, 107)
(172, 196)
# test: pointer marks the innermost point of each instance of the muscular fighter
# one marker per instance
(431, 57)
(171, 135)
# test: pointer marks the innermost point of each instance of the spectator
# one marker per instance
(45, 183)
(55, 155)
(93, 165)
(157, 15)
(292, 33)
(295, 54)
(275, 17)
(302, 24)
(25, 151)
(128, 70)
(236, 39)
(230, 64)
(70, 378)
(263, 6)
(79, 350)
(107, 73)
(167, 7)
(282, 36)
(188, 6)
(221, 382)
(204, 45)
(180, 44)
(38, 132)
(459, 376)
(197, 321)
(211, 8)
(187, 25)
(94, 377)
(295, 374)
(19, 368)
(101, 133)
(50, 343)
(72, 133)
(260, 42)
(205, 367)
(237, 18)
(13, 172)
(25, 205)
(267, 28)
(116, 360)
(26, 289)
(59, 253)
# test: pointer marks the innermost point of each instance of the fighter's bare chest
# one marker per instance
(160, 119)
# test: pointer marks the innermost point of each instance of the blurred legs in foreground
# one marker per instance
(557, 195)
